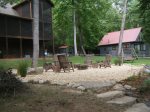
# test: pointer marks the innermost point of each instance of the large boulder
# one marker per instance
(119, 87)
(147, 69)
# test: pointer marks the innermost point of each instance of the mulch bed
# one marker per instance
(137, 82)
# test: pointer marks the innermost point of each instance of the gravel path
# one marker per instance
(116, 73)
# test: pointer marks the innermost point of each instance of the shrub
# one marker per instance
(9, 84)
(131, 78)
(117, 61)
(145, 86)
(22, 69)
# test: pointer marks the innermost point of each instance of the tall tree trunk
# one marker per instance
(75, 30)
(35, 33)
(122, 28)
(80, 32)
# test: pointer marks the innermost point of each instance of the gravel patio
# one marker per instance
(92, 77)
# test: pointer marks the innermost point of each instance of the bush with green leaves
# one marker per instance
(9, 84)
(145, 86)
(22, 69)
(131, 78)
(117, 61)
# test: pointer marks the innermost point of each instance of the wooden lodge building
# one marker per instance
(132, 43)
(16, 28)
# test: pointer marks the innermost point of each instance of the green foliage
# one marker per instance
(9, 84)
(4, 2)
(117, 61)
(133, 19)
(94, 18)
(75, 59)
(22, 69)
(145, 15)
(3, 67)
(131, 78)
(145, 86)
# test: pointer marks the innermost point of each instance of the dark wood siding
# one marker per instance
(26, 29)
(13, 26)
(25, 10)
(45, 20)
(2, 26)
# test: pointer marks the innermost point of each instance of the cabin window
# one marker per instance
(142, 47)
(113, 47)
(137, 47)
(105, 49)
(126, 46)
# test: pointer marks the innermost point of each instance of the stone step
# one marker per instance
(110, 95)
(139, 107)
(96, 85)
(72, 91)
(126, 100)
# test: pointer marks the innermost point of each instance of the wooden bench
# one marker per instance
(128, 58)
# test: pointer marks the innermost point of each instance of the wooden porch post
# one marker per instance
(20, 40)
(6, 38)
(21, 56)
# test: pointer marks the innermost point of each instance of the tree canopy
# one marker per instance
(94, 18)
(4, 2)
(145, 15)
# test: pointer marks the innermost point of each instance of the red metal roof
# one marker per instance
(129, 35)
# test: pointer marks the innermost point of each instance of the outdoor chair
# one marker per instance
(65, 64)
(47, 66)
(106, 62)
(55, 66)
(128, 58)
(88, 60)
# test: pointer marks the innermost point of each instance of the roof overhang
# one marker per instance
(12, 13)
(26, 1)
(115, 44)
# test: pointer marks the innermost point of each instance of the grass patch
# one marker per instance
(140, 61)
(81, 59)
(13, 63)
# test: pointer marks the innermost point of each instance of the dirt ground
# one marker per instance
(48, 98)
(52, 98)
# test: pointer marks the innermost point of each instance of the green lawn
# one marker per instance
(141, 61)
(13, 63)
